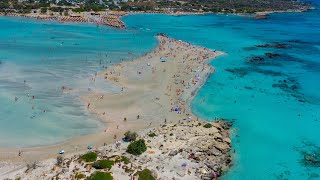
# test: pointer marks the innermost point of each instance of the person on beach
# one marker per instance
(88, 106)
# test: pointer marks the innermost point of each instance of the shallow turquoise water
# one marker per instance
(37, 59)
(274, 103)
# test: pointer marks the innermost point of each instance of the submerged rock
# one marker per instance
(241, 72)
(272, 55)
(296, 41)
(255, 59)
(273, 45)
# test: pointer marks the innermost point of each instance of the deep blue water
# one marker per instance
(274, 102)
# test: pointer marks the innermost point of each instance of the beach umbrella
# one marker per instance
(184, 164)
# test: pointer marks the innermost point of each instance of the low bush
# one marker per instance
(79, 176)
(100, 176)
(103, 164)
(89, 157)
(137, 147)
(152, 134)
(125, 160)
(145, 174)
(208, 125)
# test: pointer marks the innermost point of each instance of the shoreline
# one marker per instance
(148, 92)
(114, 18)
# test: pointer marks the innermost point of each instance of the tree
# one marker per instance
(137, 147)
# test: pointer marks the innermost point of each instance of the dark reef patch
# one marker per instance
(277, 45)
(249, 48)
(240, 72)
(275, 59)
(292, 87)
(248, 87)
(310, 155)
(297, 41)
(272, 55)
(243, 71)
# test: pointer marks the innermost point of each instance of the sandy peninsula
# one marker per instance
(156, 90)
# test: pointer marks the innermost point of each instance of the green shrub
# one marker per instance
(103, 164)
(89, 157)
(79, 175)
(145, 175)
(125, 160)
(100, 176)
(152, 134)
(130, 136)
(208, 125)
(137, 147)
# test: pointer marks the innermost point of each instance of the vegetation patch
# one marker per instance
(130, 136)
(208, 125)
(100, 176)
(89, 157)
(103, 164)
(145, 174)
(137, 147)
(79, 175)
(125, 160)
(152, 134)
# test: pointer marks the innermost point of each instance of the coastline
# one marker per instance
(114, 18)
(140, 89)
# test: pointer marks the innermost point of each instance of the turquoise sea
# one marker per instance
(273, 99)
